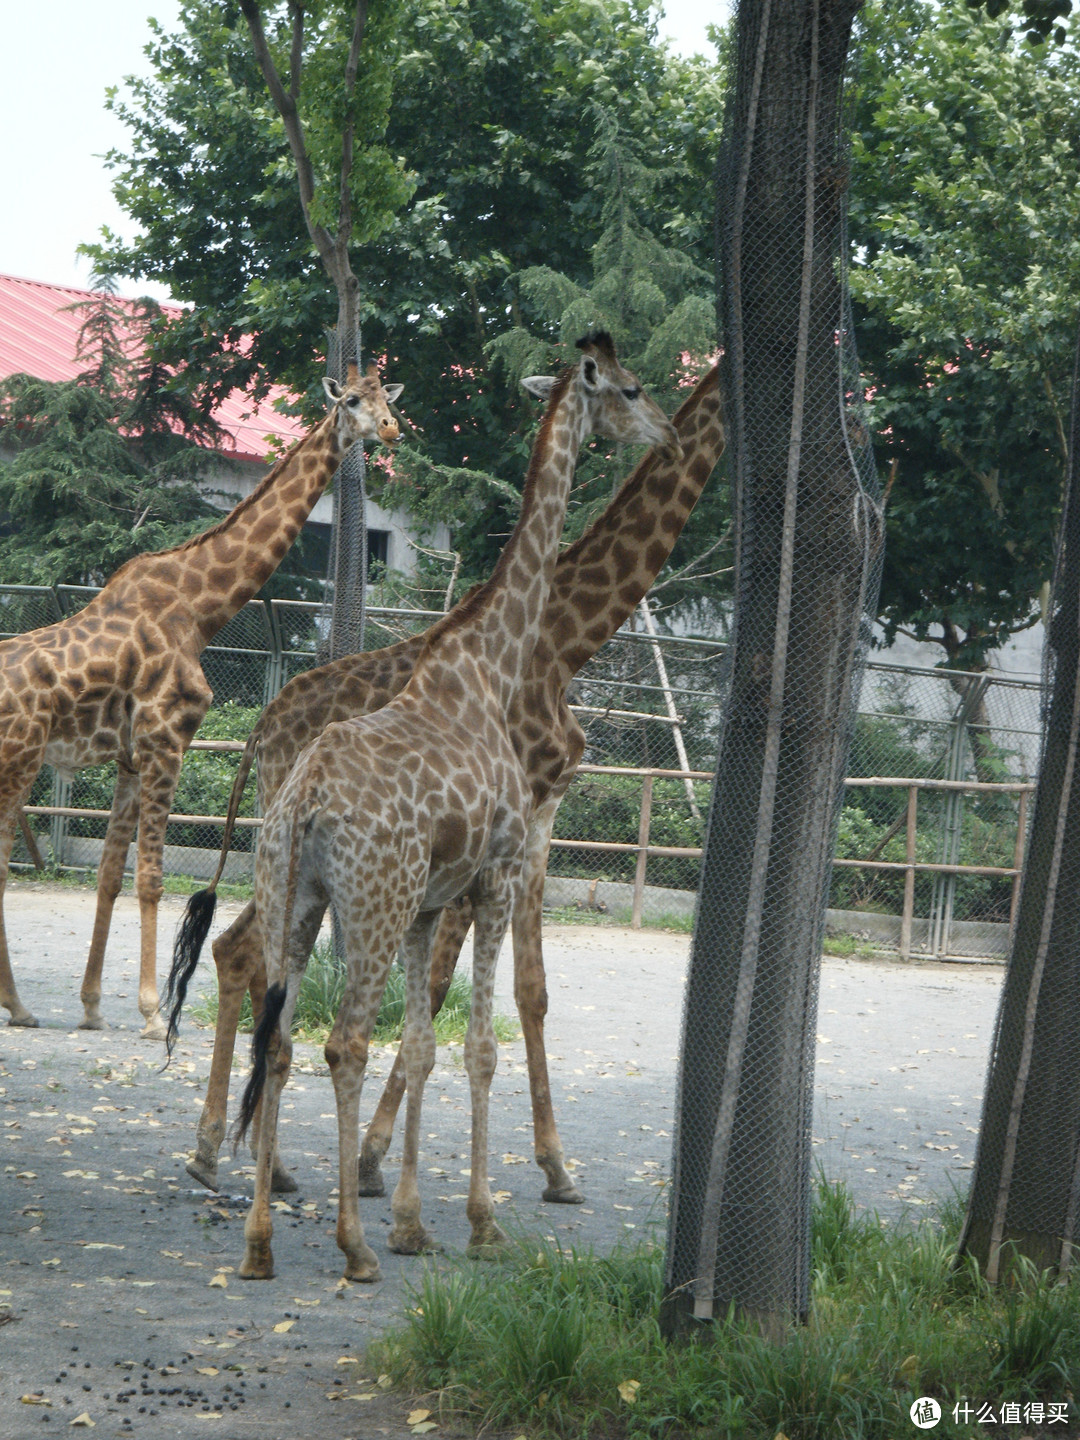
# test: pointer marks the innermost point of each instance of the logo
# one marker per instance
(925, 1412)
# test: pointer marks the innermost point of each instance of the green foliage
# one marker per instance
(965, 270)
(608, 807)
(79, 493)
(319, 1000)
(892, 1318)
(493, 115)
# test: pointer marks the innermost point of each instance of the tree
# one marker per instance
(104, 467)
(965, 269)
(491, 115)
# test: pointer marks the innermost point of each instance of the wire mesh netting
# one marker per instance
(808, 548)
(1025, 1195)
(912, 723)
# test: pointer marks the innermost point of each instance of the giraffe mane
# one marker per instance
(475, 599)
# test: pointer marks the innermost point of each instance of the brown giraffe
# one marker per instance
(390, 816)
(598, 580)
(121, 680)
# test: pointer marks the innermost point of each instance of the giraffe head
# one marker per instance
(362, 407)
(615, 405)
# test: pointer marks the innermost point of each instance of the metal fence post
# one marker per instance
(909, 878)
(643, 850)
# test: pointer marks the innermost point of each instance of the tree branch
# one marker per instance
(348, 132)
(285, 103)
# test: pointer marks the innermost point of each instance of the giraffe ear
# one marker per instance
(391, 392)
(539, 386)
(590, 372)
(333, 390)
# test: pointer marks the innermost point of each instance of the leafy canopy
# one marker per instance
(965, 231)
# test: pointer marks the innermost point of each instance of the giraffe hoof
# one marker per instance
(258, 1262)
(282, 1182)
(154, 1029)
(567, 1194)
(412, 1239)
(92, 1022)
(25, 1019)
(203, 1171)
(364, 1268)
(369, 1178)
(487, 1242)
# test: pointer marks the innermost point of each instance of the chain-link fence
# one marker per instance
(628, 835)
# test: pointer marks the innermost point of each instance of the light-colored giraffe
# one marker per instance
(121, 680)
(598, 580)
(388, 817)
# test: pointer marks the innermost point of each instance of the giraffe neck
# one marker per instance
(505, 615)
(604, 574)
(225, 566)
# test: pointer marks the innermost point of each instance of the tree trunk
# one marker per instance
(1025, 1192)
(808, 540)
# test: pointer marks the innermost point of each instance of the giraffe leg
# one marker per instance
(9, 996)
(288, 970)
(493, 910)
(449, 938)
(122, 820)
(258, 1261)
(281, 1180)
(159, 771)
(236, 953)
(530, 993)
(17, 773)
(408, 1235)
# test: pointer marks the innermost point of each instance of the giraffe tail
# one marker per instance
(302, 815)
(190, 938)
(260, 1043)
(199, 912)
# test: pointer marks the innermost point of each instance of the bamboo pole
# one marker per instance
(909, 878)
(643, 851)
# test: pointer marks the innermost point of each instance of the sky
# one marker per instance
(57, 190)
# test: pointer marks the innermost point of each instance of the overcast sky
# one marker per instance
(52, 109)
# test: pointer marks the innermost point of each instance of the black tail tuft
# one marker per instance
(190, 938)
(260, 1042)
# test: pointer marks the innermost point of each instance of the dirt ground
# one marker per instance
(119, 1299)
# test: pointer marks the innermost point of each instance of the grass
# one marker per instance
(844, 945)
(320, 996)
(557, 1342)
(582, 915)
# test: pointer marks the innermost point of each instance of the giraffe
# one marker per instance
(390, 816)
(122, 680)
(597, 582)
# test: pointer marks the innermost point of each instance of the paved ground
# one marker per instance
(116, 1269)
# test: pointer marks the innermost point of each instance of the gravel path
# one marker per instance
(115, 1269)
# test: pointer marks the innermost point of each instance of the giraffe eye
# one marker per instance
(633, 392)
(354, 401)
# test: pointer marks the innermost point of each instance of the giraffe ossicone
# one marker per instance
(121, 680)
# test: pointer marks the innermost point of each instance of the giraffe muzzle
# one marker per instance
(389, 433)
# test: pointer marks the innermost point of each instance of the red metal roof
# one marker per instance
(39, 335)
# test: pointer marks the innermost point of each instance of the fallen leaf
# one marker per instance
(34, 1400)
(207, 1370)
(308, 1303)
(415, 1416)
(283, 1325)
(100, 1245)
(384, 1382)
(220, 1280)
(347, 1360)
(84, 1421)
(50, 1262)
(424, 1427)
(173, 1254)
(628, 1389)
(208, 1415)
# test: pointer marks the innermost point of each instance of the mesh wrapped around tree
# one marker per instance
(1025, 1194)
(808, 542)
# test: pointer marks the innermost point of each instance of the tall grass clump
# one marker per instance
(566, 1343)
(320, 995)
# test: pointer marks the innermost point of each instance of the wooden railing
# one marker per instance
(644, 850)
